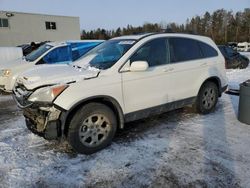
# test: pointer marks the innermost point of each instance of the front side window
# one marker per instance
(105, 55)
(183, 49)
(38, 52)
(50, 25)
(58, 55)
(4, 22)
(154, 52)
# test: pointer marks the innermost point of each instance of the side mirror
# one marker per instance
(138, 66)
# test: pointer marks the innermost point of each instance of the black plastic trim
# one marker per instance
(158, 109)
(219, 84)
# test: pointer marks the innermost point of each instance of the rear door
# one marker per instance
(188, 65)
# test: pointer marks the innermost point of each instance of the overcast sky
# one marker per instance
(110, 14)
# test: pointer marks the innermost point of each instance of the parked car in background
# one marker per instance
(243, 47)
(123, 79)
(28, 48)
(234, 60)
(233, 45)
(49, 53)
(10, 54)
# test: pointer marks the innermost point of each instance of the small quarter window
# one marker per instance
(207, 50)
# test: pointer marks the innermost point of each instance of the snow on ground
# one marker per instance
(175, 149)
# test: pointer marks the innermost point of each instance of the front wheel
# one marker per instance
(207, 98)
(92, 128)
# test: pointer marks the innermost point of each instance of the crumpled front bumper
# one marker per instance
(44, 121)
(41, 118)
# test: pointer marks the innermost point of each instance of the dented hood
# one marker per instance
(54, 74)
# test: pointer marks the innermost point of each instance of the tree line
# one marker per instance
(222, 26)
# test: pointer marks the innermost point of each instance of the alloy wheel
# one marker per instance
(94, 130)
(209, 98)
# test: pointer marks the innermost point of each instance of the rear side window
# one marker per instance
(207, 50)
(154, 52)
(58, 55)
(184, 49)
(79, 49)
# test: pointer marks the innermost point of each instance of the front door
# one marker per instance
(142, 90)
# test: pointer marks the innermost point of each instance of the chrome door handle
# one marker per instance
(203, 64)
(168, 69)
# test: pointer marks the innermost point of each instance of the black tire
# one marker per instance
(92, 122)
(207, 98)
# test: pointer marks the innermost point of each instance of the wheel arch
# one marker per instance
(103, 99)
(215, 80)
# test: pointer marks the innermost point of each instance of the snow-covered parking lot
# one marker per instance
(176, 149)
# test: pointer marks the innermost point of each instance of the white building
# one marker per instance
(18, 28)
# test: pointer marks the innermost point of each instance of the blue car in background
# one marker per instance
(61, 52)
(49, 53)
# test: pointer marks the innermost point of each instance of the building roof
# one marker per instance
(29, 13)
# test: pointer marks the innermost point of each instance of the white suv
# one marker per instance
(124, 79)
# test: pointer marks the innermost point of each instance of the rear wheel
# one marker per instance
(92, 128)
(207, 98)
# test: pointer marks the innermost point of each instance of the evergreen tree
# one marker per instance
(221, 25)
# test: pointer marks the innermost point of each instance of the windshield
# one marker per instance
(38, 52)
(106, 54)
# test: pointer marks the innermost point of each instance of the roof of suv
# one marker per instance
(61, 43)
(135, 37)
(141, 36)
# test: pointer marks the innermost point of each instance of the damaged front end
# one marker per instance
(42, 117)
(44, 122)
